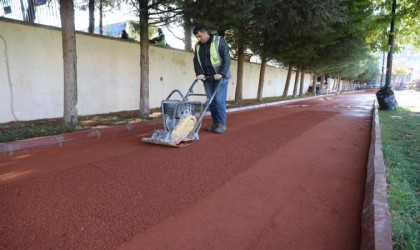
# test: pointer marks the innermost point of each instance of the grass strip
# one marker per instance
(400, 131)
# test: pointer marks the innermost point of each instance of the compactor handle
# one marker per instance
(191, 92)
(175, 91)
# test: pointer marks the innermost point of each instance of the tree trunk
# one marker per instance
(394, 80)
(187, 27)
(321, 84)
(239, 76)
(188, 34)
(30, 12)
(69, 62)
(101, 7)
(296, 82)
(339, 86)
(289, 75)
(314, 84)
(390, 47)
(144, 60)
(261, 81)
(91, 28)
(302, 81)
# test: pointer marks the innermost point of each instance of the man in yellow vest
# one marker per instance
(212, 66)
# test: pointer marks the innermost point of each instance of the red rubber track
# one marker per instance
(283, 177)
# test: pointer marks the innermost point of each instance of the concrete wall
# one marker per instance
(108, 71)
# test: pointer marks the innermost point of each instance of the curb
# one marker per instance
(9, 148)
(376, 221)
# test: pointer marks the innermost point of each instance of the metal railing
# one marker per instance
(46, 12)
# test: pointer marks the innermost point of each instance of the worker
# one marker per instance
(124, 35)
(160, 39)
(212, 66)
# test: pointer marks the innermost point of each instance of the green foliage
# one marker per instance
(330, 36)
(370, 69)
(345, 50)
(349, 58)
(407, 24)
(107, 4)
(219, 16)
(293, 31)
(323, 36)
(400, 71)
(160, 12)
(135, 31)
(401, 147)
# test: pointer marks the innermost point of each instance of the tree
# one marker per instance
(30, 12)
(101, 5)
(230, 19)
(143, 9)
(291, 32)
(188, 26)
(260, 31)
(406, 20)
(183, 17)
(399, 71)
(144, 58)
(289, 76)
(295, 87)
(349, 58)
(242, 41)
(91, 28)
(302, 80)
(261, 79)
(345, 50)
(69, 61)
(370, 69)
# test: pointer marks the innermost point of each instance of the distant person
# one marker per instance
(160, 39)
(124, 35)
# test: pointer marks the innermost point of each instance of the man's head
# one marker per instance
(159, 30)
(201, 34)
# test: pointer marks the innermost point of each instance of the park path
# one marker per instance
(283, 177)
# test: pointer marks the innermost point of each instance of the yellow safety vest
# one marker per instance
(215, 57)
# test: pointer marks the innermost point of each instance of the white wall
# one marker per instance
(108, 70)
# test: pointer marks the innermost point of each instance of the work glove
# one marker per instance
(201, 77)
(217, 77)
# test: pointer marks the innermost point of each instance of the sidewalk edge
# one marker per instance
(9, 148)
(376, 221)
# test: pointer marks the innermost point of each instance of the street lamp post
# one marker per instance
(390, 47)
(385, 95)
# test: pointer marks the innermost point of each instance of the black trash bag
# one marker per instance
(386, 99)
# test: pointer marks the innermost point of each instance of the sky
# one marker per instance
(82, 22)
(48, 14)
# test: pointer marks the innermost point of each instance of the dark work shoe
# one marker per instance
(211, 128)
(220, 128)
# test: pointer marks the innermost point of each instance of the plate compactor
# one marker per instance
(181, 119)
